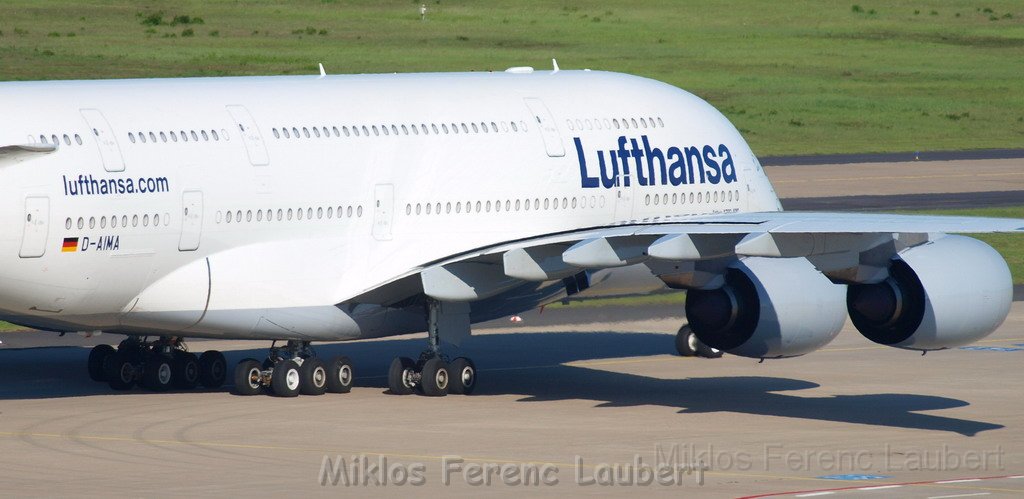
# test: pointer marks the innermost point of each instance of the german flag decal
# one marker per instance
(70, 245)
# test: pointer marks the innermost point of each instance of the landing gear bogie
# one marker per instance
(292, 370)
(156, 365)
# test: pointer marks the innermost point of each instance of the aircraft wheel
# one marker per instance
(313, 377)
(213, 369)
(97, 356)
(248, 377)
(186, 370)
(286, 380)
(399, 382)
(707, 352)
(686, 341)
(435, 378)
(463, 374)
(120, 371)
(340, 375)
(157, 374)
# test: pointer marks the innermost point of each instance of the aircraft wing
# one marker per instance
(13, 154)
(851, 247)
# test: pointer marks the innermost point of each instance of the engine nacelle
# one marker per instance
(950, 292)
(768, 308)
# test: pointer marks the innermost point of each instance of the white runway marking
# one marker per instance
(815, 494)
(961, 495)
(962, 481)
(880, 487)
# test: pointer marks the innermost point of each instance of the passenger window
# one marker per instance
(163, 137)
(475, 129)
(366, 131)
(131, 137)
(336, 133)
(434, 126)
(78, 139)
(206, 136)
(152, 137)
(316, 131)
(174, 137)
(345, 129)
(514, 128)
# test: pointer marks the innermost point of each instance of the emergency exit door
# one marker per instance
(36, 228)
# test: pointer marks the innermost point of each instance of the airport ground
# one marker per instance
(564, 396)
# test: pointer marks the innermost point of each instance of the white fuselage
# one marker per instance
(268, 197)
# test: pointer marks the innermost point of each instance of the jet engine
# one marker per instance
(768, 308)
(949, 292)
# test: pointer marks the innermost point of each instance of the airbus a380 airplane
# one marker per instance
(332, 208)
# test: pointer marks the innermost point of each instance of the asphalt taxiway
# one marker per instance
(566, 399)
(579, 397)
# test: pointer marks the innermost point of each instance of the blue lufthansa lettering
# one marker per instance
(653, 166)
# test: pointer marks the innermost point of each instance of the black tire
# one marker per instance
(286, 380)
(248, 377)
(313, 377)
(435, 378)
(158, 373)
(213, 369)
(463, 376)
(186, 370)
(97, 356)
(398, 376)
(686, 341)
(340, 375)
(707, 352)
(120, 371)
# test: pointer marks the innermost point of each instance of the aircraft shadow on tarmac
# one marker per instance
(532, 365)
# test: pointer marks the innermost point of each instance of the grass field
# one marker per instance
(797, 77)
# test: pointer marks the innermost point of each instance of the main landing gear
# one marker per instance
(159, 365)
(688, 345)
(291, 370)
(432, 374)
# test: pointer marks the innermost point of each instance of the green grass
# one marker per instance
(797, 77)
(1011, 246)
